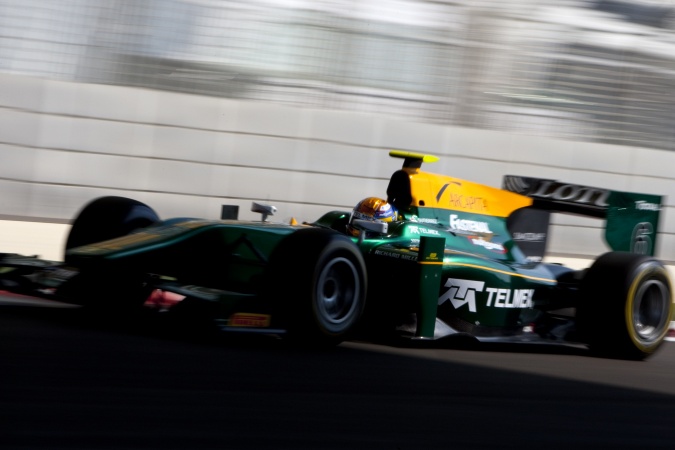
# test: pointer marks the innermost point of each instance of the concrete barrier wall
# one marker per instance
(63, 144)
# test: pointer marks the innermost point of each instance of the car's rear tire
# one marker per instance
(626, 305)
(317, 285)
(111, 289)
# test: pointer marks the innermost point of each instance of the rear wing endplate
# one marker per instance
(631, 219)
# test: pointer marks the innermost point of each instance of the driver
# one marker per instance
(373, 209)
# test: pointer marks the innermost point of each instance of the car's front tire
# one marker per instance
(317, 285)
(108, 218)
(107, 288)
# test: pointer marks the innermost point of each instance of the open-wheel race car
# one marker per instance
(451, 258)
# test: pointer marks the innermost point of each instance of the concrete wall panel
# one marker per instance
(63, 144)
(576, 241)
(19, 127)
(187, 144)
(179, 177)
(343, 127)
(250, 150)
(603, 158)
(270, 119)
(14, 202)
(193, 111)
(21, 92)
(18, 163)
(653, 163)
(124, 104)
(412, 136)
(538, 152)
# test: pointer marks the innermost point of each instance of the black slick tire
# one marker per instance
(626, 305)
(317, 286)
(108, 218)
(111, 290)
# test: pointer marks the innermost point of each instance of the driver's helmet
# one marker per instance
(373, 209)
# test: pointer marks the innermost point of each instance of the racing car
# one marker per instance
(449, 262)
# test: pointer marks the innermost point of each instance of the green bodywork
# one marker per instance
(482, 280)
(485, 281)
(220, 262)
(449, 265)
(632, 222)
(237, 251)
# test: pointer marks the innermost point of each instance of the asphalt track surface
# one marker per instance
(68, 383)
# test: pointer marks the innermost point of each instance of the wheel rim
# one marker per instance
(338, 294)
(651, 308)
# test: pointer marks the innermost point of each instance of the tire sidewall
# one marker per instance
(340, 252)
(605, 314)
(646, 272)
(295, 267)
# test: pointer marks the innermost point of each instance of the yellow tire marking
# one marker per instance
(630, 299)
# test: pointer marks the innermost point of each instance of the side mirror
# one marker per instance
(265, 210)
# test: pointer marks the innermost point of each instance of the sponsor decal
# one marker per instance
(461, 201)
(463, 292)
(414, 229)
(471, 226)
(423, 220)
(529, 237)
(362, 216)
(561, 192)
(572, 193)
(467, 202)
(409, 257)
(431, 258)
(249, 320)
(642, 205)
(493, 246)
(510, 298)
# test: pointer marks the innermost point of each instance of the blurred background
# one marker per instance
(192, 104)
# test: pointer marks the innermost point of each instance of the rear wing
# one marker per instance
(631, 219)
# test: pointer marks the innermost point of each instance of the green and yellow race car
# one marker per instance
(438, 258)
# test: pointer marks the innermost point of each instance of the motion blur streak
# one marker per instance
(187, 105)
(593, 70)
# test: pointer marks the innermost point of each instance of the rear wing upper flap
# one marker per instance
(631, 219)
